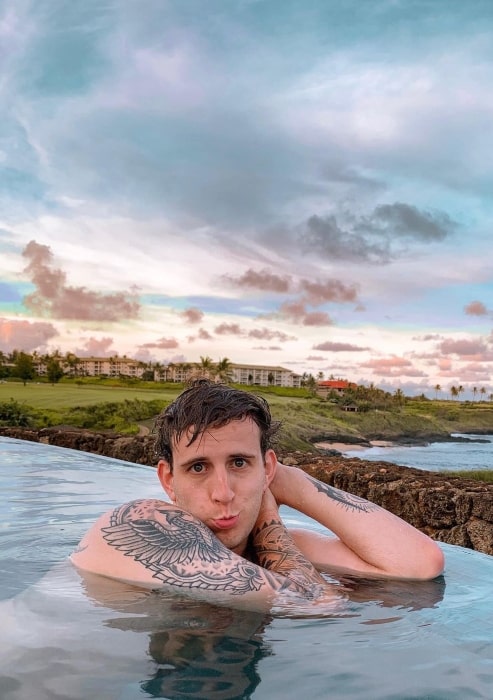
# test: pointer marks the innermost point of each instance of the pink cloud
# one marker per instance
(228, 329)
(162, 344)
(476, 308)
(268, 334)
(338, 347)
(96, 347)
(55, 299)
(262, 279)
(25, 335)
(316, 293)
(192, 315)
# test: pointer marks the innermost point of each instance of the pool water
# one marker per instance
(64, 636)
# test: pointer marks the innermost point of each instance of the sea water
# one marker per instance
(68, 637)
(474, 453)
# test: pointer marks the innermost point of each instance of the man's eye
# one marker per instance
(197, 468)
(239, 462)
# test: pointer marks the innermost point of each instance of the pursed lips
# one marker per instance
(225, 523)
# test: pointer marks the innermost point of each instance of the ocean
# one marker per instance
(437, 456)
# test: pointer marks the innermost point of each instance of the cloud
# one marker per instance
(296, 312)
(262, 280)
(25, 335)
(476, 308)
(96, 347)
(201, 335)
(404, 220)
(161, 344)
(316, 293)
(268, 334)
(55, 299)
(270, 347)
(192, 315)
(463, 347)
(393, 367)
(374, 238)
(323, 236)
(228, 329)
(330, 346)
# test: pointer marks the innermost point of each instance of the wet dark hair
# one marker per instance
(206, 404)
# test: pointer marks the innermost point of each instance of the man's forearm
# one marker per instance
(276, 551)
(374, 539)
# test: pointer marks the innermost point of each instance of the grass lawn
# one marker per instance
(46, 396)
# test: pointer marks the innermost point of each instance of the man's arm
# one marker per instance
(155, 544)
(276, 551)
(370, 539)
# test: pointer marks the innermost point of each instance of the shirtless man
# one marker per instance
(221, 537)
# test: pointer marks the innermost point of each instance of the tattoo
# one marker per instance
(276, 551)
(348, 500)
(180, 551)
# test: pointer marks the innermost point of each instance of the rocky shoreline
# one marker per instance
(450, 509)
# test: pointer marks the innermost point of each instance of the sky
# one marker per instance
(304, 184)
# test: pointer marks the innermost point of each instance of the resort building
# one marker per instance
(337, 386)
(252, 375)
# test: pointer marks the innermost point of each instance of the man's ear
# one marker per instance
(165, 475)
(270, 462)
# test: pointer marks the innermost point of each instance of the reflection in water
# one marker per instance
(210, 667)
(402, 595)
(206, 652)
(200, 651)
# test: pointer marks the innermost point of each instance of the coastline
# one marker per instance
(343, 447)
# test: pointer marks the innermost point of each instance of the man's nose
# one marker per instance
(222, 491)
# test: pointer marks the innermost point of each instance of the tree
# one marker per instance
(438, 389)
(206, 366)
(311, 384)
(224, 371)
(454, 392)
(270, 378)
(54, 371)
(474, 392)
(482, 391)
(460, 390)
(24, 368)
(399, 397)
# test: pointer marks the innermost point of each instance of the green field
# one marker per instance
(46, 396)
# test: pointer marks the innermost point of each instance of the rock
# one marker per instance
(449, 509)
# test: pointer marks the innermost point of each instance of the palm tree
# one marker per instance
(460, 390)
(438, 389)
(474, 392)
(482, 391)
(399, 397)
(224, 370)
(454, 392)
(205, 366)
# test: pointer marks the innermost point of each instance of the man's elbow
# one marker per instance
(433, 562)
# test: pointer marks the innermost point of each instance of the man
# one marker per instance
(221, 537)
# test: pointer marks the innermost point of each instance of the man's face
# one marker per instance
(220, 479)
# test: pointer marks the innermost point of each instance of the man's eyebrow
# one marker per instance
(192, 460)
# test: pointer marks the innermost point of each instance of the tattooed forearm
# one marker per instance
(276, 552)
(179, 550)
(348, 500)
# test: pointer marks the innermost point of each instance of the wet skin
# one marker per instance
(220, 479)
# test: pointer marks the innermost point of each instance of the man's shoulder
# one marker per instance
(139, 509)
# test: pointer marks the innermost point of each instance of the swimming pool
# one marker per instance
(64, 637)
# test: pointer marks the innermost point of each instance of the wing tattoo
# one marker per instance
(181, 553)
